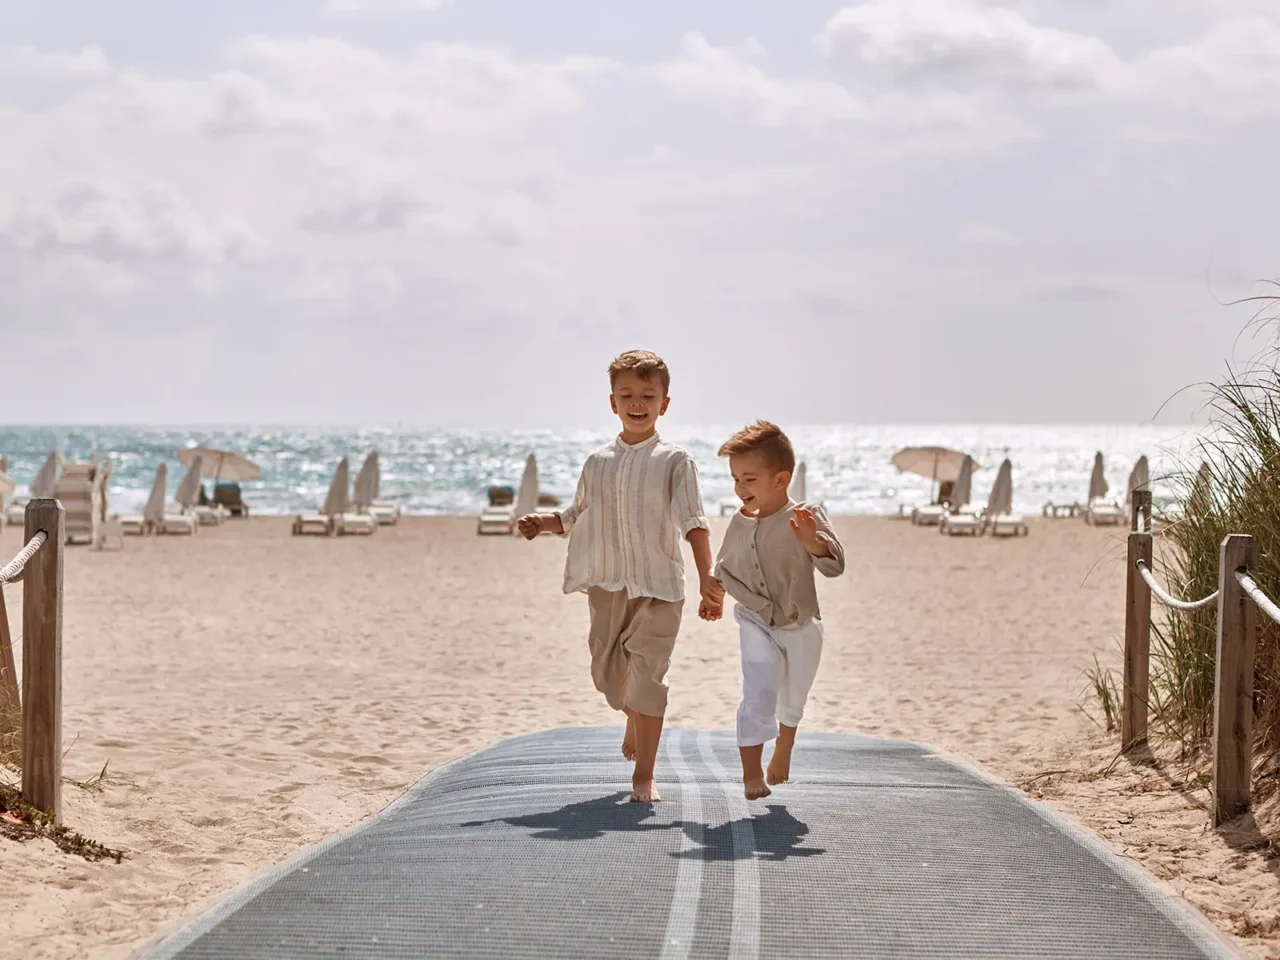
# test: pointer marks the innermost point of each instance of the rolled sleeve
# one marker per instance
(569, 516)
(686, 497)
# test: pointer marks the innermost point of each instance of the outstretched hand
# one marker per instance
(530, 525)
(805, 527)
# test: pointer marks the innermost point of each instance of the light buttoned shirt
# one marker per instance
(766, 569)
(634, 505)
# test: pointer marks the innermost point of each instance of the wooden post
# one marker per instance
(1140, 511)
(1233, 687)
(42, 660)
(1137, 644)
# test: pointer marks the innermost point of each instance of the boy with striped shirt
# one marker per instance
(637, 499)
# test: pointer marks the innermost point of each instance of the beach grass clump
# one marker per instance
(21, 821)
(1234, 489)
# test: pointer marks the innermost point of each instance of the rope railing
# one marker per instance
(1254, 593)
(1168, 599)
(12, 571)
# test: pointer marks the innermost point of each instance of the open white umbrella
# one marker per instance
(368, 482)
(527, 498)
(1140, 478)
(339, 497)
(1001, 500)
(189, 490)
(7, 483)
(962, 489)
(936, 463)
(797, 490)
(47, 478)
(221, 464)
(153, 512)
(1097, 480)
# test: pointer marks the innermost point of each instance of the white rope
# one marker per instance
(1265, 603)
(13, 570)
(1169, 601)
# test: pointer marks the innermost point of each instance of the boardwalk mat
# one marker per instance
(879, 849)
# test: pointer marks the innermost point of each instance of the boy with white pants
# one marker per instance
(766, 564)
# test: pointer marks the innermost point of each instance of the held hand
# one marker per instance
(709, 611)
(712, 591)
(530, 525)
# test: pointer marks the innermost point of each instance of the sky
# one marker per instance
(456, 212)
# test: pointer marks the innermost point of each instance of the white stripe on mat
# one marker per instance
(744, 936)
(683, 919)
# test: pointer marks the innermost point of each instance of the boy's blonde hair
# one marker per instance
(766, 438)
(644, 364)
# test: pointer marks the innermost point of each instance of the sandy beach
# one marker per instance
(254, 692)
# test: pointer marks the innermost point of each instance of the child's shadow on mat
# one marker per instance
(777, 833)
(777, 836)
(585, 820)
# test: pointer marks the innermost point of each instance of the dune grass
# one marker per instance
(1235, 488)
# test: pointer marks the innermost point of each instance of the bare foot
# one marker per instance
(780, 764)
(629, 740)
(755, 789)
(644, 791)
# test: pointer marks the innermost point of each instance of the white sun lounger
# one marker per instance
(312, 523)
(967, 522)
(1102, 514)
(497, 520)
(928, 516)
(348, 523)
(1008, 525)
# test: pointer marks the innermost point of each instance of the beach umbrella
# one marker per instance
(1001, 500)
(1097, 480)
(962, 490)
(1200, 498)
(153, 512)
(222, 464)
(189, 490)
(797, 490)
(936, 463)
(43, 485)
(339, 496)
(1140, 478)
(527, 498)
(7, 483)
(368, 482)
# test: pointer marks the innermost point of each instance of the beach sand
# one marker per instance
(260, 691)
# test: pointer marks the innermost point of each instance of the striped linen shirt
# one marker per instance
(634, 505)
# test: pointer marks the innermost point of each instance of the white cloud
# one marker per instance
(380, 8)
(54, 64)
(728, 79)
(966, 40)
(1232, 73)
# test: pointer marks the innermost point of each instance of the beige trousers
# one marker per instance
(631, 641)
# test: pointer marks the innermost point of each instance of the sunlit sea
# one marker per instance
(448, 471)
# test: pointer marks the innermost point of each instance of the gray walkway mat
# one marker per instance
(879, 849)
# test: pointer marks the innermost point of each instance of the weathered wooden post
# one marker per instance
(1137, 630)
(42, 660)
(1233, 686)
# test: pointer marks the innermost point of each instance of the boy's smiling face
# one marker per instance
(761, 488)
(638, 403)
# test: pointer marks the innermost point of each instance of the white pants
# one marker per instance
(778, 667)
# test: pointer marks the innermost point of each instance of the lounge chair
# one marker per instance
(1007, 525)
(929, 516)
(499, 517)
(367, 487)
(968, 522)
(1103, 514)
(226, 494)
(79, 490)
(335, 518)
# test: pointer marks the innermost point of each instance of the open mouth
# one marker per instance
(747, 501)
(638, 417)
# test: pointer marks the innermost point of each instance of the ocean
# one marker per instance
(446, 472)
